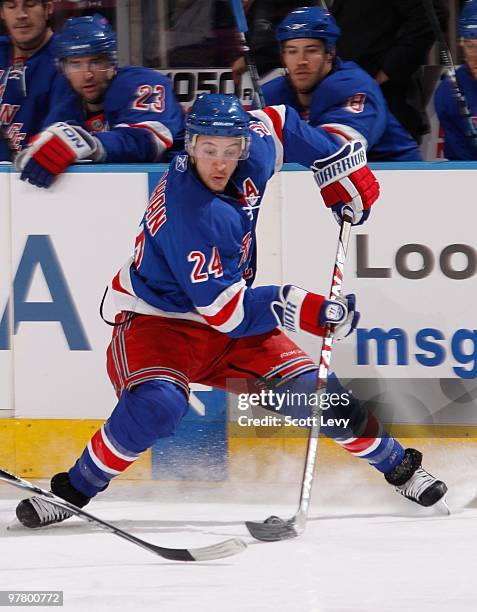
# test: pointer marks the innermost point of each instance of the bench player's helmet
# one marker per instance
(89, 35)
(309, 22)
(468, 20)
(218, 115)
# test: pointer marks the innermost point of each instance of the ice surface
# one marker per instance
(365, 549)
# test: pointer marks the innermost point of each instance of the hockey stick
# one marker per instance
(226, 548)
(275, 528)
(241, 22)
(446, 61)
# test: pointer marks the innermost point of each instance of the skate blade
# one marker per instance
(443, 507)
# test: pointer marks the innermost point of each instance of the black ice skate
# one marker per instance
(412, 481)
(37, 512)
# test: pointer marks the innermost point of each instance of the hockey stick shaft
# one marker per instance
(324, 366)
(242, 27)
(274, 528)
(446, 61)
(216, 551)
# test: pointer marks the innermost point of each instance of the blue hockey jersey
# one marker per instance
(28, 90)
(457, 144)
(350, 102)
(194, 254)
(141, 119)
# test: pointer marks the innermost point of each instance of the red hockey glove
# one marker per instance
(56, 148)
(346, 181)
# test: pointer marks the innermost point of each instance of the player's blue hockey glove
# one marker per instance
(346, 181)
(56, 148)
(301, 310)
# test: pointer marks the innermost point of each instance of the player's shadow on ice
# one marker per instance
(204, 527)
(134, 526)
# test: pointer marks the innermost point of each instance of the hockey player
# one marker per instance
(335, 95)
(189, 313)
(29, 81)
(458, 144)
(127, 114)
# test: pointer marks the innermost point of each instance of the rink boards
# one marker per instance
(412, 265)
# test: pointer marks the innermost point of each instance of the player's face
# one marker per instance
(26, 21)
(89, 76)
(306, 61)
(215, 159)
(469, 46)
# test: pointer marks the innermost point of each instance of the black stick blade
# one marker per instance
(227, 548)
